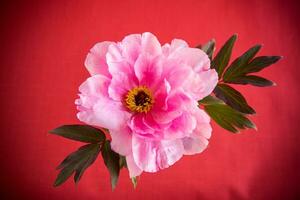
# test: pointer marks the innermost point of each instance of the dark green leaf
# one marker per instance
(89, 161)
(221, 60)
(237, 66)
(75, 157)
(82, 133)
(77, 162)
(228, 118)
(63, 175)
(252, 80)
(210, 100)
(111, 160)
(233, 98)
(134, 182)
(122, 162)
(261, 62)
(209, 48)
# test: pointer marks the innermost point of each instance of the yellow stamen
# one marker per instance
(139, 99)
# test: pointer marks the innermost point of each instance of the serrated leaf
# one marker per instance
(228, 118)
(222, 58)
(210, 100)
(237, 66)
(82, 133)
(209, 48)
(233, 98)
(78, 162)
(259, 63)
(111, 160)
(134, 182)
(252, 80)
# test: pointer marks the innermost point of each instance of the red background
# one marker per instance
(43, 47)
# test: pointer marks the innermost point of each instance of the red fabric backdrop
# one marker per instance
(43, 47)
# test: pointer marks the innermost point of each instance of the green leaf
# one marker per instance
(122, 162)
(134, 182)
(111, 160)
(63, 175)
(228, 118)
(233, 98)
(210, 100)
(237, 66)
(78, 162)
(82, 133)
(74, 157)
(221, 60)
(209, 48)
(89, 161)
(261, 62)
(252, 80)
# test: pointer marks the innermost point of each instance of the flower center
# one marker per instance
(139, 99)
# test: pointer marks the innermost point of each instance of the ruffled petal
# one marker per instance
(138, 126)
(133, 169)
(150, 44)
(201, 84)
(151, 156)
(169, 106)
(116, 62)
(148, 71)
(198, 140)
(119, 86)
(175, 45)
(203, 127)
(96, 108)
(193, 57)
(95, 61)
(118, 140)
(194, 145)
(131, 46)
(181, 126)
(176, 73)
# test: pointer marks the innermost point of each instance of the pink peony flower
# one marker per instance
(146, 95)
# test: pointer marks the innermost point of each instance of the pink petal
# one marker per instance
(176, 73)
(133, 169)
(194, 145)
(109, 114)
(96, 108)
(150, 44)
(144, 126)
(193, 57)
(96, 61)
(119, 138)
(95, 86)
(138, 126)
(114, 53)
(203, 127)
(116, 62)
(178, 44)
(168, 106)
(201, 84)
(198, 140)
(181, 126)
(148, 71)
(131, 46)
(152, 156)
(120, 84)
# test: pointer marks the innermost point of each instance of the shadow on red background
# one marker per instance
(43, 47)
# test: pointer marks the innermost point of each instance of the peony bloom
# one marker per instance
(146, 95)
